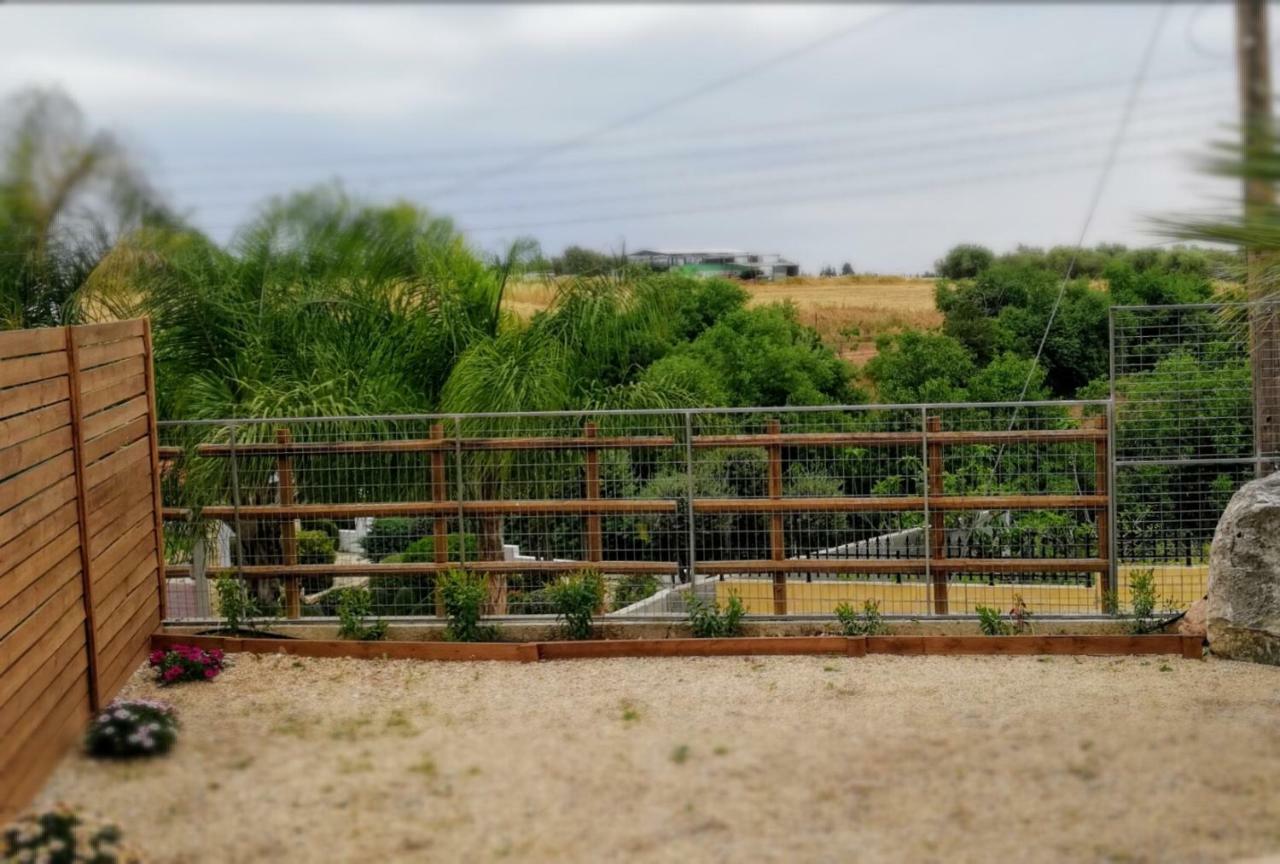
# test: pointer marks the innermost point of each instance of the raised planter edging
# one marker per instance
(1189, 647)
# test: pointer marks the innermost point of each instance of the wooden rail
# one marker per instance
(933, 441)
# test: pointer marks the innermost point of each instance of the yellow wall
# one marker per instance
(1176, 585)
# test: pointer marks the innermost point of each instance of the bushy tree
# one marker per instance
(964, 261)
(918, 366)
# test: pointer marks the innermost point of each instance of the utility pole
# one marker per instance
(1253, 64)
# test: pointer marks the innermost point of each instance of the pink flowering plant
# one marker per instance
(186, 663)
(63, 836)
(132, 727)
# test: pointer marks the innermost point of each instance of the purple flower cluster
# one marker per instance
(186, 663)
(132, 727)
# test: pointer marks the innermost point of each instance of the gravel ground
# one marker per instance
(690, 760)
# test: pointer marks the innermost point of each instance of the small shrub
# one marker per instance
(62, 836)
(990, 622)
(869, 622)
(575, 599)
(1020, 615)
(316, 547)
(355, 606)
(423, 550)
(464, 595)
(186, 663)
(326, 526)
(709, 621)
(390, 535)
(633, 588)
(234, 603)
(1110, 603)
(1142, 598)
(132, 727)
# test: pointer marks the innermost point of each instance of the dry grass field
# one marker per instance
(847, 311)
(804, 759)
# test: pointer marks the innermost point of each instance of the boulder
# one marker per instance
(1192, 623)
(1243, 607)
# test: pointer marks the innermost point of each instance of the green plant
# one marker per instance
(1142, 598)
(464, 595)
(316, 547)
(132, 727)
(235, 604)
(1110, 603)
(990, 622)
(708, 621)
(326, 526)
(355, 605)
(575, 599)
(424, 549)
(1020, 615)
(390, 535)
(868, 622)
(633, 588)
(63, 836)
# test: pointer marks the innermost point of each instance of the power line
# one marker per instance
(575, 141)
(1131, 101)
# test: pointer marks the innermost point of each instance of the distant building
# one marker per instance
(729, 263)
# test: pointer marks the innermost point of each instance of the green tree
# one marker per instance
(964, 261)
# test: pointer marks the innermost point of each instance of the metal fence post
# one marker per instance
(232, 431)
(1112, 494)
(924, 486)
(689, 494)
(457, 489)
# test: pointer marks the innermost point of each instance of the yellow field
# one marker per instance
(847, 311)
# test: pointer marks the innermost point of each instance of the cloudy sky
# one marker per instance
(875, 135)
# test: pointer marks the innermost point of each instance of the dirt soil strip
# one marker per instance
(877, 758)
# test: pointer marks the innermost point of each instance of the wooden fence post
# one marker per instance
(777, 542)
(82, 520)
(288, 530)
(937, 522)
(156, 496)
(594, 538)
(439, 493)
(1102, 516)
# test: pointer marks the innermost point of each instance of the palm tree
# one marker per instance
(65, 194)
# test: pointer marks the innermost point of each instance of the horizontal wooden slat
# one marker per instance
(15, 343)
(24, 427)
(120, 656)
(470, 508)
(903, 439)
(19, 547)
(38, 507)
(94, 334)
(119, 415)
(122, 601)
(33, 451)
(38, 579)
(23, 697)
(28, 397)
(48, 692)
(121, 514)
(273, 570)
(119, 462)
(102, 377)
(37, 479)
(99, 497)
(109, 352)
(64, 603)
(419, 445)
(119, 392)
(37, 367)
(117, 439)
(906, 565)
(66, 725)
(140, 536)
(66, 627)
(898, 504)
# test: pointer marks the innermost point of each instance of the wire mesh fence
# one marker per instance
(1195, 388)
(922, 509)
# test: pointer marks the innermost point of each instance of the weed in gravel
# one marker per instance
(680, 755)
(1165, 667)
(425, 766)
(630, 713)
(291, 725)
(720, 750)
(350, 728)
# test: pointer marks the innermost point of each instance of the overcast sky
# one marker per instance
(875, 135)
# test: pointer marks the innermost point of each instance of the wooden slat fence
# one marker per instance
(81, 551)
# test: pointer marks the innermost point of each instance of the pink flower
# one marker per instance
(157, 657)
(210, 672)
(172, 673)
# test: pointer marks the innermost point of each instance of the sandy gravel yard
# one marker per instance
(689, 760)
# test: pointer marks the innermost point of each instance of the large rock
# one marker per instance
(1243, 608)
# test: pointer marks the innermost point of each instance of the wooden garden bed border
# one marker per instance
(1189, 647)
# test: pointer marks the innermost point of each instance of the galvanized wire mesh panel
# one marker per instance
(919, 509)
(1191, 384)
